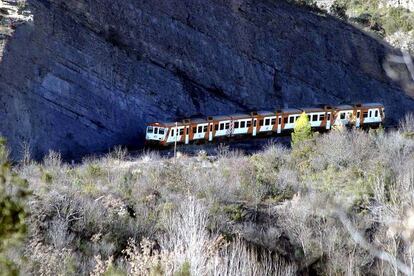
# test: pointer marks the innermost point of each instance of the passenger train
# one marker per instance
(263, 123)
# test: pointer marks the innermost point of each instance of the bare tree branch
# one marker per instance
(359, 239)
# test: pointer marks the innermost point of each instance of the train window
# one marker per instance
(249, 124)
(315, 117)
(280, 120)
(365, 114)
(227, 125)
(358, 114)
(370, 113)
(236, 124)
(291, 119)
(242, 124)
(273, 121)
(322, 117)
(328, 117)
(376, 113)
(187, 130)
(216, 127)
(181, 131)
(254, 122)
(309, 117)
(172, 132)
(285, 120)
(211, 128)
(155, 130)
(205, 129)
(221, 126)
(260, 122)
(200, 129)
(161, 131)
(342, 116)
(150, 129)
(267, 122)
(194, 129)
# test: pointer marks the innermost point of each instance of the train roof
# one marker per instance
(172, 124)
(220, 117)
(163, 124)
(312, 109)
(240, 116)
(344, 106)
(265, 113)
(372, 104)
(291, 110)
(198, 120)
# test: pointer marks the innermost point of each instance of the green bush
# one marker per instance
(308, 4)
(185, 269)
(370, 14)
(339, 9)
(235, 212)
(397, 19)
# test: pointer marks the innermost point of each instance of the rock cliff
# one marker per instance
(81, 76)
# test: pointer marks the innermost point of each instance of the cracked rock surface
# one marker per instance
(81, 76)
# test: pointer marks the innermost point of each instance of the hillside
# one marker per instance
(336, 204)
(81, 76)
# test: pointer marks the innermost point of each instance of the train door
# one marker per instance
(328, 120)
(358, 119)
(174, 134)
(254, 126)
(279, 124)
(210, 133)
(187, 134)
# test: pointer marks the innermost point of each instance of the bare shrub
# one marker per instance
(187, 236)
(26, 154)
(101, 266)
(59, 233)
(144, 260)
(117, 155)
(238, 258)
(407, 123)
(193, 211)
(150, 156)
(48, 261)
(187, 246)
(52, 160)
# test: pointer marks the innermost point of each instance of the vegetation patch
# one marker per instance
(155, 216)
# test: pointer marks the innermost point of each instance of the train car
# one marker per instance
(263, 123)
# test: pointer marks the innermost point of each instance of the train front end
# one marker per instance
(156, 134)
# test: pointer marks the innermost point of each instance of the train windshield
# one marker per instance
(155, 130)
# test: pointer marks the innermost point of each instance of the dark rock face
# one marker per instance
(85, 75)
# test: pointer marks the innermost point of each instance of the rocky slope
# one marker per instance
(81, 76)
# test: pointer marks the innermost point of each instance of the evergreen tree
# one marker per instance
(302, 130)
(13, 191)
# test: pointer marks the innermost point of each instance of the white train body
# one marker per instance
(263, 123)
